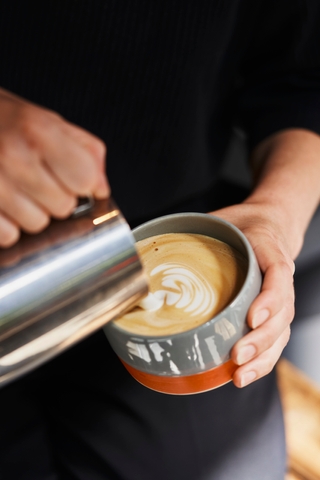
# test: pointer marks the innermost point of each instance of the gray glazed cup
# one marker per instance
(196, 360)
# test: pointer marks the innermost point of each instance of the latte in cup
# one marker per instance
(203, 277)
(192, 277)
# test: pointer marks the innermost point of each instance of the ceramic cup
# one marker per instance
(198, 359)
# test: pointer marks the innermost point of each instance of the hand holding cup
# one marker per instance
(170, 350)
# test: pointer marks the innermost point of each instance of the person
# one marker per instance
(162, 85)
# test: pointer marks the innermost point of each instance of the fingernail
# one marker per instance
(245, 354)
(260, 317)
(247, 378)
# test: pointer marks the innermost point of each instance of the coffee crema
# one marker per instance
(192, 277)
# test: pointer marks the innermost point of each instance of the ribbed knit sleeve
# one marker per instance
(281, 71)
(145, 76)
(162, 82)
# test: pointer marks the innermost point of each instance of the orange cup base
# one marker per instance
(197, 383)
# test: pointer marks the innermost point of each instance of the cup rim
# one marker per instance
(251, 268)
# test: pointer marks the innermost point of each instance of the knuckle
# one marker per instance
(51, 116)
(28, 121)
(17, 164)
(101, 148)
(36, 123)
(25, 174)
(85, 184)
(287, 334)
(289, 309)
(291, 266)
(269, 365)
(65, 207)
(8, 151)
(268, 338)
(286, 267)
(96, 146)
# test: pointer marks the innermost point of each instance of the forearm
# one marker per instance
(274, 218)
(287, 173)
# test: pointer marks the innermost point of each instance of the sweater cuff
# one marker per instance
(269, 113)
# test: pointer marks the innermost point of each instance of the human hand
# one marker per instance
(46, 163)
(58, 232)
(272, 311)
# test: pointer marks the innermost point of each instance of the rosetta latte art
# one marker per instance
(192, 278)
(184, 289)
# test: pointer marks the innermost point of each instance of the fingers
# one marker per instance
(270, 316)
(23, 175)
(272, 311)
(9, 232)
(56, 233)
(76, 159)
(277, 291)
(262, 364)
(74, 156)
(97, 148)
(46, 163)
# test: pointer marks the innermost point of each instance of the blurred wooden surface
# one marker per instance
(301, 402)
(293, 476)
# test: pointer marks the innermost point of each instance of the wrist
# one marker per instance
(287, 168)
(277, 221)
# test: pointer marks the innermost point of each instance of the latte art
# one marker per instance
(184, 289)
(191, 278)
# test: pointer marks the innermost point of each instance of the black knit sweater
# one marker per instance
(164, 82)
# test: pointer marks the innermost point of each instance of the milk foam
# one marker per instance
(182, 288)
(192, 277)
(151, 302)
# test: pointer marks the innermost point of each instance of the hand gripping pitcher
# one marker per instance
(61, 285)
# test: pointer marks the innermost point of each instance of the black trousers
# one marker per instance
(82, 417)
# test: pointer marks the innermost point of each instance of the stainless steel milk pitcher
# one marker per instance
(63, 284)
